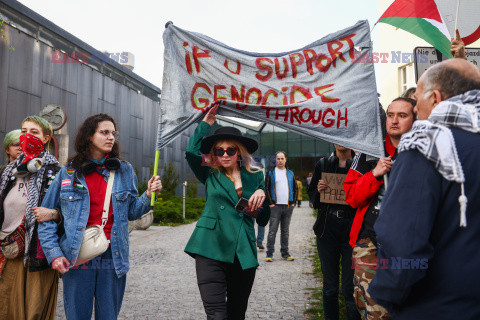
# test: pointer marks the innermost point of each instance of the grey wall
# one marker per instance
(29, 80)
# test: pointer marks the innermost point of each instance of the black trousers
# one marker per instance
(224, 288)
(334, 250)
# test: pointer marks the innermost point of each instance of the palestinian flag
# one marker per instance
(421, 18)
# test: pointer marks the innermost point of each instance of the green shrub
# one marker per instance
(143, 185)
(169, 179)
(194, 208)
(304, 194)
(169, 209)
(192, 186)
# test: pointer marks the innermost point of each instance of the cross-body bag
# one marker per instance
(94, 241)
(13, 246)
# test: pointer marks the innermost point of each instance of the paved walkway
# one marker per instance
(161, 283)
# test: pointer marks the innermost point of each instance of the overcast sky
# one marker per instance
(251, 25)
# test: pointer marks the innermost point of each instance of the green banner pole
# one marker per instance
(155, 172)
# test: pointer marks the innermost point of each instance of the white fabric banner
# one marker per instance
(325, 90)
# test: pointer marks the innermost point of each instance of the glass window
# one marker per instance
(323, 148)
(280, 139)
(308, 165)
(294, 144)
(308, 147)
(294, 164)
(254, 135)
(406, 77)
(266, 141)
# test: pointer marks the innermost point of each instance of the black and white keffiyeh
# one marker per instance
(433, 138)
(34, 185)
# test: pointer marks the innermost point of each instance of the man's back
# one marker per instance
(433, 260)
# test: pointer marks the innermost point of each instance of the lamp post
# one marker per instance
(184, 189)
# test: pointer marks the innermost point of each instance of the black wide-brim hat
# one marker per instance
(227, 133)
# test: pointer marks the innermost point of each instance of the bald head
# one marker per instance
(443, 81)
(468, 69)
(451, 77)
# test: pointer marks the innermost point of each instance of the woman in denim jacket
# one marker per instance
(79, 190)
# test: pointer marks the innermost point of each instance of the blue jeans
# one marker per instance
(260, 234)
(333, 250)
(95, 279)
(279, 215)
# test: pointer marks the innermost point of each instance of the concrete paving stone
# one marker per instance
(161, 283)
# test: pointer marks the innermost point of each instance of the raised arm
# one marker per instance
(192, 154)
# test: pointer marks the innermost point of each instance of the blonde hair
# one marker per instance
(245, 158)
(11, 138)
(44, 124)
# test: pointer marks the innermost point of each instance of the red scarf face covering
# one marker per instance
(31, 146)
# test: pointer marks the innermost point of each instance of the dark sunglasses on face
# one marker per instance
(220, 151)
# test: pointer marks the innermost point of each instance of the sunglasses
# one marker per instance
(231, 151)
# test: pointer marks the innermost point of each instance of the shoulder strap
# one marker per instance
(108, 196)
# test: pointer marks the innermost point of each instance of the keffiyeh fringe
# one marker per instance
(433, 138)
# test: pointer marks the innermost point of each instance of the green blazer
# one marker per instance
(222, 232)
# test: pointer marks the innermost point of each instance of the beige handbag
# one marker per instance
(94, 241)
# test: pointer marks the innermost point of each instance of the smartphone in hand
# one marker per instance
(242, 206)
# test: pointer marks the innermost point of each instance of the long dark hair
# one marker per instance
(83, 143)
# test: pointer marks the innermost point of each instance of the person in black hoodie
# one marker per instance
(332, 229)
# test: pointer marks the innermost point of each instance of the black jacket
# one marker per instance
(330, 165)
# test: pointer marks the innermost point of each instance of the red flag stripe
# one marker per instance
(425, 9)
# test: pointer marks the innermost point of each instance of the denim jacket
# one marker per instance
(69, 192)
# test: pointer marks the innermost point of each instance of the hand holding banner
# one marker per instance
(325, 90)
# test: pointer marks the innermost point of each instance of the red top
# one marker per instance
(98, 188)
(389, 147)
(360, 190)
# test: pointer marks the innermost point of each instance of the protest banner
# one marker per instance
(335, 192)
(324, 90)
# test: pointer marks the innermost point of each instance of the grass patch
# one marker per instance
(173, 224)
(315, 311)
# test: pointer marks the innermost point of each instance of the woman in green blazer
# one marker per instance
(223, 242)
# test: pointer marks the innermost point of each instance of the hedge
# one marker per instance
(169, 209)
